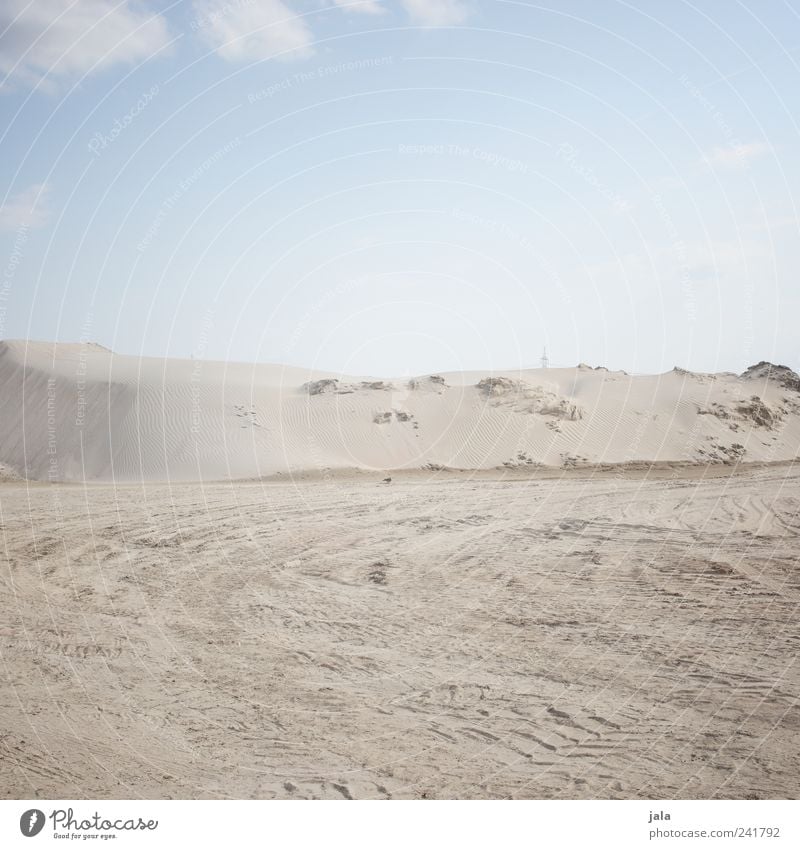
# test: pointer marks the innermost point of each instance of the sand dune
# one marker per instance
(80, 412)
(526, 628)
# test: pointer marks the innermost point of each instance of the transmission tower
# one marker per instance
(545, 359)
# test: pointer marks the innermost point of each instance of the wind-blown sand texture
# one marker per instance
(444, 635)
(78, 412)
(602, 602)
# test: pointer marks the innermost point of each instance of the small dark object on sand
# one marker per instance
(387, 480)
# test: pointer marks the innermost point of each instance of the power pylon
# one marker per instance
(545, 359)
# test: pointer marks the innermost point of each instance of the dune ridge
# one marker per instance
(75, 412)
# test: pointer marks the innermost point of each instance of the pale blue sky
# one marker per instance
(404, 187)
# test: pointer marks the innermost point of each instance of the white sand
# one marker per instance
(78, 412)
(578, 637)
(513, 630)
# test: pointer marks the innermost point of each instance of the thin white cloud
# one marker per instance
(42, 41)
(248, 30)
(28, 208)
(363, 7)
(437, 13)
(726, 257)
(737, 155)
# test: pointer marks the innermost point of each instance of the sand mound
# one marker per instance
(332, 386)
(501, 387)
(429, 383)
(525, 397)
(81, 412)
(782, 375)
(321, 387)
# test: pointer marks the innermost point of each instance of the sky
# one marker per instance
(394, 188)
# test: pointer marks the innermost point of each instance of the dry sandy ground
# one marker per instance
(434, 637)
